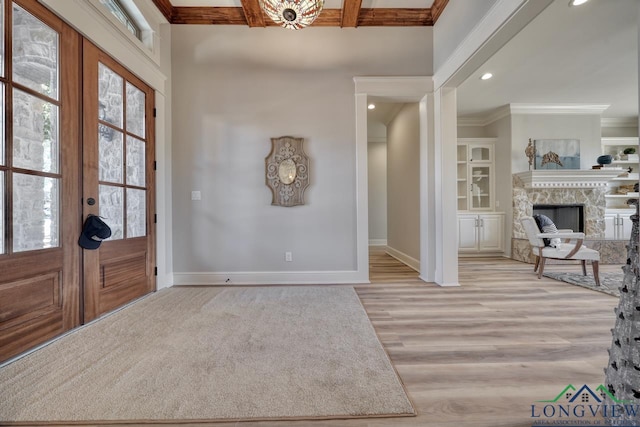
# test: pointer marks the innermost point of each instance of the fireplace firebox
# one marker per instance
(563, 216)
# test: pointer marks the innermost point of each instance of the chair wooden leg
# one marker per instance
(542, 260)
(596, 272)
(584, 267)
(535, 267)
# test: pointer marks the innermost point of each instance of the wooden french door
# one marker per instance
(39, 177)
(76, 138)
(118, 182)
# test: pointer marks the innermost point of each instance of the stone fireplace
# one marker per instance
(584, 188)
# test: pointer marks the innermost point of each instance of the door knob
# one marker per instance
(91, 201)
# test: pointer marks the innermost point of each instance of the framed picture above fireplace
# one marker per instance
(557, 153)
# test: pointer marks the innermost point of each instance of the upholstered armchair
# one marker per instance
(570, 249)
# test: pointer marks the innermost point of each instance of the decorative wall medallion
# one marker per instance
(287, 171)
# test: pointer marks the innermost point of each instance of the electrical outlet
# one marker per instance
(288, 257)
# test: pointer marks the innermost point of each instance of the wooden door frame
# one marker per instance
(92, 55)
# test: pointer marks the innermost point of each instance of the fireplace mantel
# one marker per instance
(550, 178)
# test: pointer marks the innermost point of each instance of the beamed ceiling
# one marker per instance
(351, 14)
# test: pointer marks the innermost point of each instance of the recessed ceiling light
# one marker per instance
(577, 2)
(371, 106)
(486, 76)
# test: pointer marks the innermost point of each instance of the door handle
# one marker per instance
(91, 201)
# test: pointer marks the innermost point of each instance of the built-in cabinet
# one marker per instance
(618, 225)
(480, 233)
(617, 216)
(480, 228)
(476, 174)
(629, 165)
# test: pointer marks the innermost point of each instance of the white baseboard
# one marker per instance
(404, 258)
(271, 278)
(377, 242)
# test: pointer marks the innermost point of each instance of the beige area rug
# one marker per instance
(198, 354)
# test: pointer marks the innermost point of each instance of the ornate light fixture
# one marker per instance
(292, 14)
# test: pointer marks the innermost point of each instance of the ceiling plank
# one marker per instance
(253, 13)
(209, 15)
(350, 13)
(166, 8)
(378, 17)
(436, 9)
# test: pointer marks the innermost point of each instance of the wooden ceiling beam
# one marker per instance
(350, 13)
(209, 15)
(166, 8)
(377, 17)
(253, 13)
(436, 9)
(328, 17)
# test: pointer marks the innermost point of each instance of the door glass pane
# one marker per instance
(2, 114)
(1, 212)
(36, 212)
(112, 209)
(136, 212)
(35, 53)
(135, 162)
(110, 154)
(2, 38)
(135, 110)
(109, 96)
(35, 133)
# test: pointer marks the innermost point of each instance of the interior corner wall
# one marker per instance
(403, 183)
(234, 88)
(473, 132)
(501, 131)
(377, 178)
(586, 128)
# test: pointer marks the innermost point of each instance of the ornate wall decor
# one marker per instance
(287, 171)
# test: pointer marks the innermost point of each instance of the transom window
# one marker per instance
(117, 10)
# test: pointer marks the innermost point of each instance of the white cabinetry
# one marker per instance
(476, 174)
(629, 165)
(618, 225)
(480, 233)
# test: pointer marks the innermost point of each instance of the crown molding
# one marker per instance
(558, 108)
(512, 109)
(617, 122)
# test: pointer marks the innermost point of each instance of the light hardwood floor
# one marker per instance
(481, 354)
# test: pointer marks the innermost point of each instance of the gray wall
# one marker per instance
(377, 176)
(586, 128)
(403, 182)
(234, 88)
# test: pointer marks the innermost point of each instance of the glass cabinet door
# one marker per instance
(480, 153)
(480, 187)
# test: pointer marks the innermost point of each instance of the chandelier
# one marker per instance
(292, 14)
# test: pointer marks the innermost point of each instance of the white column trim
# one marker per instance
(362, 194)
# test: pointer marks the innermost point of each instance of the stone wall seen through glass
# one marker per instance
(136, 213)
(110, 102)
(112, 209)
(35, 53)
(135, 162)
(36, 212)
(110, 155)
(35, 133)
(135, 110)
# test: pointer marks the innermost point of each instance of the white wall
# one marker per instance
(234, 89)
(403, 184)
(377, 168)
(473, 132)
(619, 132)
(586, 128)
(501, 130)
